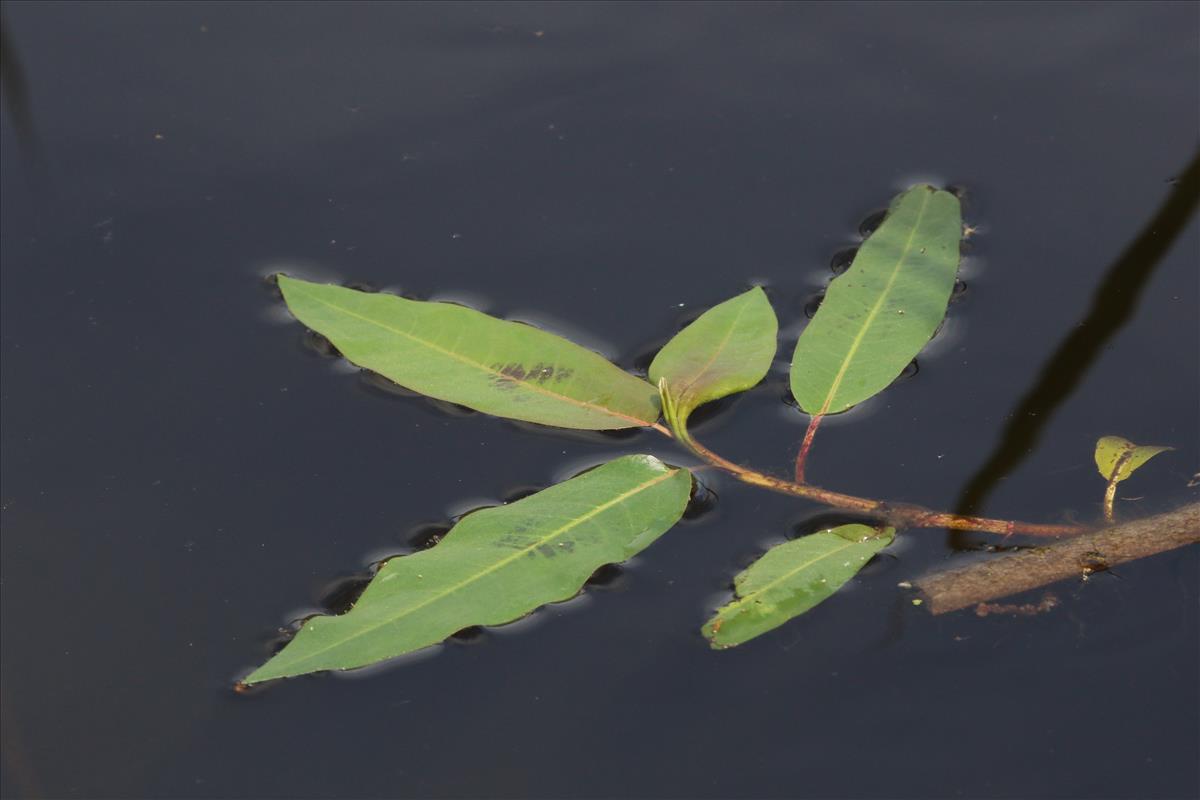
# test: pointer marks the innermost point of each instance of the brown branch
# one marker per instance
(954, 589)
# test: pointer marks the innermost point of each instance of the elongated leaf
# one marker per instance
(728, 349)
(495, 566)
(461, 355)
(878, 315)
(1118, 458)
(792, 578)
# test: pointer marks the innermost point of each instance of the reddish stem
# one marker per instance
(804, 448)
(896, 513)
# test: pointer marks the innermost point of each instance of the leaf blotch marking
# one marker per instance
(508, 376)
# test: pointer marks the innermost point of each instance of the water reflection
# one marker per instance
(16, 93)
(1113, 304)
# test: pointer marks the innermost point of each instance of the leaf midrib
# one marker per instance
(716, 351)
(478, 365)
(858, 338)
(516, 554)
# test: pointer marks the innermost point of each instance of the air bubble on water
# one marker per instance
(702, 501)
(449, 409)
(947, 337)
(378, 384)
(520, 493)
(339, 595)
(422, 537)
(462, 508)
(607, 577)
(374, 559)
(813, 303)
(474, 634)
(871, 222)
(319, 345)
(842, 260)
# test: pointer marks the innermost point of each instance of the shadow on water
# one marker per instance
(1113, 304)
(16, 94)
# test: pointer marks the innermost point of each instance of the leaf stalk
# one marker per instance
(806, 446)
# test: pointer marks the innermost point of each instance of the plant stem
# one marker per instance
(897, 513)
(804, 448)
(1110, 491)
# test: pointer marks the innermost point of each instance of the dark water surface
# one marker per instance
(181, 476)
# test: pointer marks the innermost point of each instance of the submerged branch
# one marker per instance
(977, 583)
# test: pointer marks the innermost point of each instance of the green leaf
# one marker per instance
(728, 349)
(878, 315)
(463, 356)
(792, 578)
(495, 566)
(1118, 458)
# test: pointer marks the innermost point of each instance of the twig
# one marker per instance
(967, 586)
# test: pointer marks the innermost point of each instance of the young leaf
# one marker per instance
(1117, 459)
(792, 578)
(728, 349)
(495, 566)
(878, 315)
(463, 356)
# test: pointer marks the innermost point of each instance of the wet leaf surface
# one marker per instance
(878, 314)
(1118, 458)
(495, 566)
(457, 354)
(728, 349)
(791, 579)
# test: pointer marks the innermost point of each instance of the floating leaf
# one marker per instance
(728, 349)
(1118, 458)
(792, 578)
(495, 566)
(878, 315)
(461, 355)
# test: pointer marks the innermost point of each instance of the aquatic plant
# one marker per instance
(498, 564)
